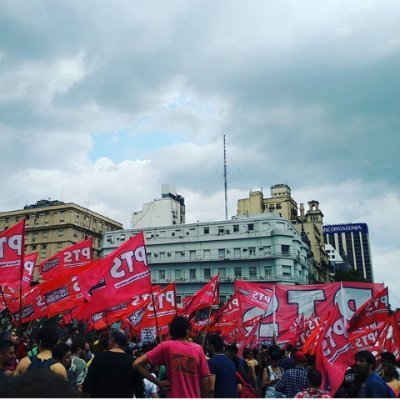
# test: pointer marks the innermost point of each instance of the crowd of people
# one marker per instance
(48, 364)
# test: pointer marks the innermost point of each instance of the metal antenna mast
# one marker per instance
(225, 184)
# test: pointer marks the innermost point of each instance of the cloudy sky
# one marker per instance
(103, 101)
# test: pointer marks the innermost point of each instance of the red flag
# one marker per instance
(29, 265)
(123, 274)
(372, 311)
(165, 306)
(75, 256)
(12, 253)
(207, 296)
(334, 353)
(251, 338)
(62, 294)
(34, 306)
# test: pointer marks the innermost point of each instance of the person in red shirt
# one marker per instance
(185, 361)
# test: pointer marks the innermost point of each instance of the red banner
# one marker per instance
(29, 265)
(282, 304)
(165, 308)
(374, 310)
(33, 306)
(12, 253)
(75, 256)
(119, 276)
(334, 352)
(206, 297)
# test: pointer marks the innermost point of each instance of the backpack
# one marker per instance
(37, 363)
(248, 391)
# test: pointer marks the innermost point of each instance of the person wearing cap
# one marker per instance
(294, 380)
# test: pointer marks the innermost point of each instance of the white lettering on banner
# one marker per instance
(28, 266)
(306, 300)
(366, 340)
(329, 344)
(339, 352)
(75, 285)
(354, 298)
(168, 296)
(164, 313)
(261, 297)
(13, 242)
(40, 302)
(137, 299)
(76, 255)
(374, 304)
(118, 270)
(132, 279)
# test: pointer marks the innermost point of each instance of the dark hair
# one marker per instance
(47, 337)
(217, 342)
(314, 377)
(38, 383)
(388, 357)
(60, 350)
(119, 338)
(5, 344)
(232, 348)
(78, 343)
(390, 371)
(179, 327)
(246, 352)
(365, 355)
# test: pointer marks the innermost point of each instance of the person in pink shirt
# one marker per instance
(186, 363)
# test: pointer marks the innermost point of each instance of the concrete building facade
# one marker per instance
(351, 241)
(258, 249)
(53, 225)
(169, 210)
(309, 222)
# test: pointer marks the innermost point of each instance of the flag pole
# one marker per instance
(155, 315)
(209, 313)
(21, 274)
(5, 303)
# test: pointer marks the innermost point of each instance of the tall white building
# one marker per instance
(169, 210)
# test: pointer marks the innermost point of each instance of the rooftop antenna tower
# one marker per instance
(225, 184)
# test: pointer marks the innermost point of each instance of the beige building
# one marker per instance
(53, 225)
(309, 222)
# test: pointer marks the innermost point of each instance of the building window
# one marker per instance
(206, 230)
(252, 251)
(250, 227)
(61, 232)
(253, 272)
(235, 228)
(222, 273)
(59, 245)
(44, 246)
(238, 272)
(178, 274)
(285, 249)
(268, 271)
(43, 254)
(286, 271)
(221, 253)
(34, 247)
(192, 274)
(207, 273)
(220, 231)
(162, 274)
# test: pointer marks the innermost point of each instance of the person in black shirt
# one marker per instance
(7, 356)
(111, 373)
